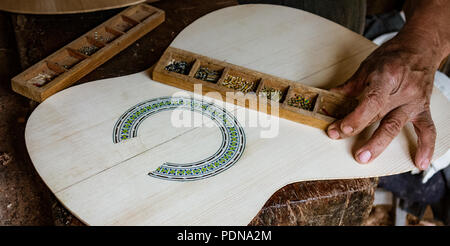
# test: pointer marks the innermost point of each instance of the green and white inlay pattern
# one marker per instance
(231, 148)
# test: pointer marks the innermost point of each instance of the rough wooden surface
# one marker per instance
(38, 36)
(318, 203)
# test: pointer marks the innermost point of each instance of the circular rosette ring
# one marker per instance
(231, 148)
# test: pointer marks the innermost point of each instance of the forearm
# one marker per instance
(427, 27)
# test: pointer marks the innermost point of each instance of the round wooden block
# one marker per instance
(107, 149)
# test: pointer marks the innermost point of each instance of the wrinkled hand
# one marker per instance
(394, 85)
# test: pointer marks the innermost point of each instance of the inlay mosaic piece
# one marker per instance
(231, 149)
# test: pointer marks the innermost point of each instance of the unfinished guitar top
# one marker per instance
(109, 149)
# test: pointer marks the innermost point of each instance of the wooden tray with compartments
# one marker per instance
(297, 102)
(73, 61)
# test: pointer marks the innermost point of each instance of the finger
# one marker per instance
(353, 86)
(390, 126)
(372, 103)
(426, 137)
(333, 133)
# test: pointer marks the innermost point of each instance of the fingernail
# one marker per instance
(332, 133)
(364, 157)
(347, 129)
(424, 164)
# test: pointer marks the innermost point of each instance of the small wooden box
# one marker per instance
(70, 63)
(297, 102)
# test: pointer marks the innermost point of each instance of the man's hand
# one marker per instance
(394, 85)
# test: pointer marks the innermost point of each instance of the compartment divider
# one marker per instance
(225, 73)
(222, 76)
(195, 66)
(114, 31)
(276, 84)
(94, 42)
(77, 53)
(317, 105)
(130, 20)
(283, 98)
(260, 86)
(289, 93)
(56, 67)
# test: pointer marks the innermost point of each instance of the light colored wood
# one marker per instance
(69, 138)
(69, 64)
(62, 6)
(327, 106)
